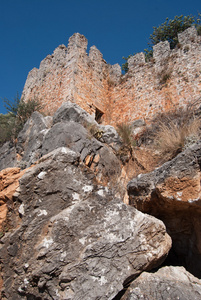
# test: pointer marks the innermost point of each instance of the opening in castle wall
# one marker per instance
(98, 115)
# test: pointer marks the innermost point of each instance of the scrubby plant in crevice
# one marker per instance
(128, 142)
(94, 131)
(125, 132)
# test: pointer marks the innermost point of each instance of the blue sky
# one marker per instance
(32, 29)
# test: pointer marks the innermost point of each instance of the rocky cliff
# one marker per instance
(66, 231)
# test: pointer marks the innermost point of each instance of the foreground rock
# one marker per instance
(166, 284)
(75, 240)
(172, 193)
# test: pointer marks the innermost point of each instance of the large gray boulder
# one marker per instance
(71, 126)
(71, 135)
(30, 139)
(167, 283)
(75, 240)
(72, 112)
(93, 153)
(27, 149)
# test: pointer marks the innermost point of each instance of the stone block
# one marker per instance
(188, 36)
(136, 60)
(161, 51)
(77, 43)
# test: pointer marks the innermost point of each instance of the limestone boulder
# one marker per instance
(110, 136)
(8, 156)
(75, 239)
(27, 148)
(166, 284)
(98, 157)
(172, 193)
(71, 126)
(72, 112)
(30, 139)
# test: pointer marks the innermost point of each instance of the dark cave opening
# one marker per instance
(98, 115)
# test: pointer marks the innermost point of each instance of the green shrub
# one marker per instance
(169, 30)
(199, 29)
(148, 54)
(164, 75)
(18, 113)
(7, 127)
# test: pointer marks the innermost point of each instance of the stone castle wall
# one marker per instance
(172, 78)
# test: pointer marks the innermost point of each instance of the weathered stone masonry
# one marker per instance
(172, 78)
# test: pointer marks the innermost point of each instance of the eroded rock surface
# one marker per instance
(166, 284)
(75, 240)
(8, 156)
(172, 193)
(9, 184)
(70, 127)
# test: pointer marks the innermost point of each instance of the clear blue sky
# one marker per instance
(32, 29)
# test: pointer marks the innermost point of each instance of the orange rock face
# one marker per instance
(181, 189)
(9, 182)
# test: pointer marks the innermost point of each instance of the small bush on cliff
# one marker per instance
(18, 113)
(94, 131)
(7, 123)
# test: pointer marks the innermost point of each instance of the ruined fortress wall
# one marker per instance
(172, 78)
(70, 74)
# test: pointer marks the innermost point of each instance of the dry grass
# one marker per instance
(171, 132)
(125, 132)
(125, 153)
(172, 138)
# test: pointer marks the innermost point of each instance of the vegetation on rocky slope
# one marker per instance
(18, 113)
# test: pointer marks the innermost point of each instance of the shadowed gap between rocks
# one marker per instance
(182, 226)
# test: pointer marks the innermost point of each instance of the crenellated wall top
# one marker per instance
(162, 51)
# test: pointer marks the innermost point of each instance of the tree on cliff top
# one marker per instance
(168, 31)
